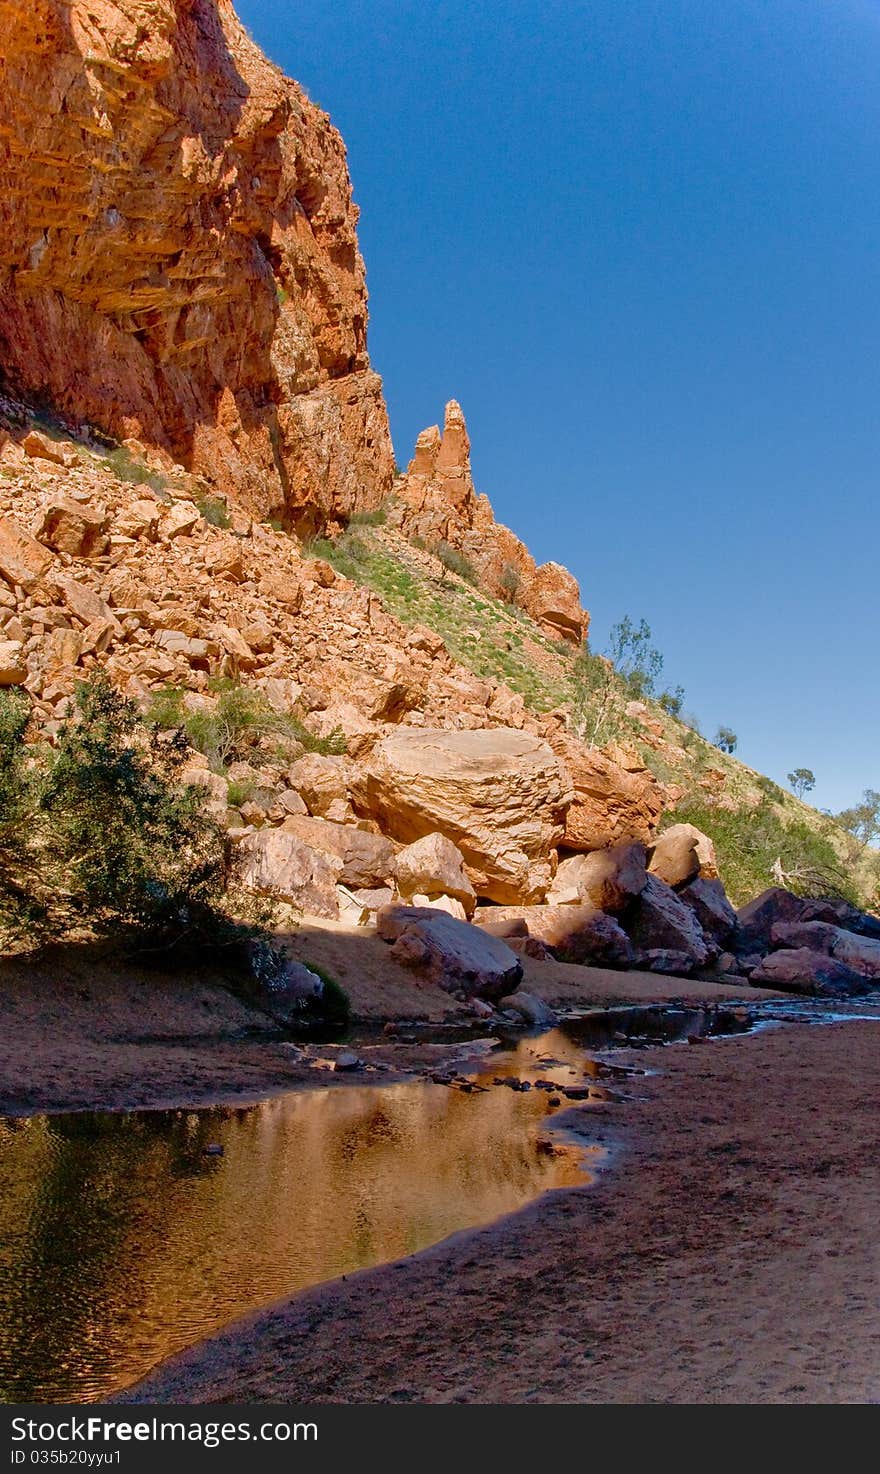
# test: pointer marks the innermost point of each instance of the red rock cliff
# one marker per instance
(178, 258)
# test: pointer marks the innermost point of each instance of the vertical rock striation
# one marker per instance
(178, 256)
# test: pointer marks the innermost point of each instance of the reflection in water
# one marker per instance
(121, 1241)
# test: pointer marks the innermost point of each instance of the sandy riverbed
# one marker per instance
(81, 1029)
(728, 1253)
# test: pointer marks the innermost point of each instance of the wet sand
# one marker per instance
(728, 1253)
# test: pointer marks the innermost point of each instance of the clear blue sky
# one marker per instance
(639, 240)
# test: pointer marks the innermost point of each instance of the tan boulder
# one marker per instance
(139, 520)
(434, 867)
(179, 520)
(459, 957)
(13, 671)
(608, 879)
(74, 527)
(273, 862)
(23, 560)
(365, 860)
(321, 781)
(84, 602)
(681, 853)
(552, 597)
(41, 448)
(498, 794)
(616, 798)
(577, 934)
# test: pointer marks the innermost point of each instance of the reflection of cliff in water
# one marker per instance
(121, 1241)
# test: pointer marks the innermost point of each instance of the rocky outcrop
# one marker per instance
(681, 853)
(436, 501)
(578, 934)
(616, 797)
(498, 794)
(178, 257)
(607, 879)
(660, 921)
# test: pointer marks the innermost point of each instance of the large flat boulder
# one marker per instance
(616, 798)
(681, 853)
(458, 957)
(580, 934)
(708, 901)
(498, 794)
(608, 879)
(661, 921)
(801, 970)
(862, 954)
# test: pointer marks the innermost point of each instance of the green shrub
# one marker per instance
(22, 904)
(214, 510)
(348, 554)
(509, 583)
(377, 518)
(455, 562)
(239, 791)
(100, 835)
(749, 842)
(725, 739)
(127, 467)
(237, 721)
(335, 1004)
(672, 701)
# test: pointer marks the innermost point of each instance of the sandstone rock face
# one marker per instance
(682, 852)
(800, 970)
(176, 221)
(457, 956)
(612, 802)
(661, 920)
(434, 867)
(437, 501)
(607, 879)
(498, 795)
(579, 934)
